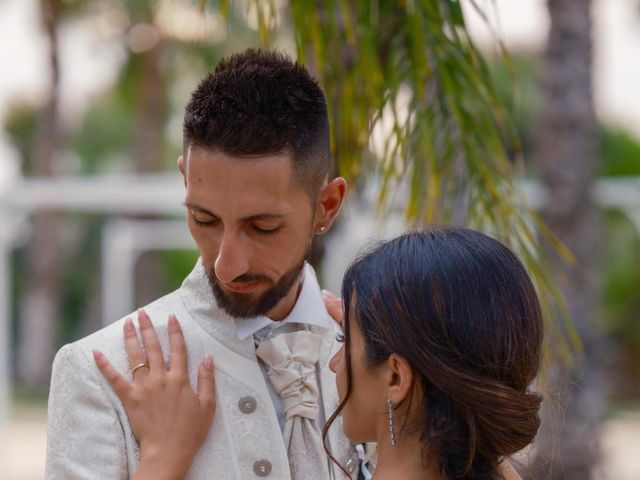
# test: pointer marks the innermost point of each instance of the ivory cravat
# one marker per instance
(291, 359)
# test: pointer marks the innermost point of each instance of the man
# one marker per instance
(255, 166)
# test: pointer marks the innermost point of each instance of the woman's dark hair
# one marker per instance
(260, 102)
(461, 309)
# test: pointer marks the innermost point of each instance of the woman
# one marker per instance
(442, 338)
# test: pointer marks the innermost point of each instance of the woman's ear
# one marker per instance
(399, 378)
(330, 200)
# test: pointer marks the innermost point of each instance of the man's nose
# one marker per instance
(232, 258)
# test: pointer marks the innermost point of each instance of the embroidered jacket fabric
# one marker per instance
(89, 436)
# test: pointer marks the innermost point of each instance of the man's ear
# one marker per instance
(399, 378)
(330, 200)
(183, 170)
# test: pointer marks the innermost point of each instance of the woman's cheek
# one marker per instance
(341, 385)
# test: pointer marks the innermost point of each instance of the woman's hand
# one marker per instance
(334, 306)
(167, 417)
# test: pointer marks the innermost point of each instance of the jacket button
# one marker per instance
(262, 468)
(247, 404)
(351, 465)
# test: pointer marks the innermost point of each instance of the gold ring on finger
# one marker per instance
(137, 367)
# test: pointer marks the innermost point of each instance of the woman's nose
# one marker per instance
(335, 360)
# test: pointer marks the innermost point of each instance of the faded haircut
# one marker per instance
(260, 102)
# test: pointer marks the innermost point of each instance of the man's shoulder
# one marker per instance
(85, 417)
(110, 338)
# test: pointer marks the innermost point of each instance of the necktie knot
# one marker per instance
(291, 359)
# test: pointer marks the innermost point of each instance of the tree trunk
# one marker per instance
(38, 315)
(566, 155)
(150, 113)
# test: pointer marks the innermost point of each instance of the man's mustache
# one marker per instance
(244, 278)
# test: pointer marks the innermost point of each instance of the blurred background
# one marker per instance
(474, 112)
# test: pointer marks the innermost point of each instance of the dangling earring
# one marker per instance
(392, 430)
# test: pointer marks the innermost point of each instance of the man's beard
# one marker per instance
(242, 305)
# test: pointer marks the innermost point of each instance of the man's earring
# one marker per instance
(392, 430)
(323, 229)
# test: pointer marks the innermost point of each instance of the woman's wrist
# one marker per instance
(163, 464)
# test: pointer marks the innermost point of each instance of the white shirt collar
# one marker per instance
(309, 309)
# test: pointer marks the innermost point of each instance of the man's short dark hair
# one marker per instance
(260, 102)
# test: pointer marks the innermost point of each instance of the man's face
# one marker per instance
(253, 227)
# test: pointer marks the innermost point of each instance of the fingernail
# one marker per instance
(173, 322)
(208, 362)
(142, 317)
(97, 355)
(128, 325)
(326, 294)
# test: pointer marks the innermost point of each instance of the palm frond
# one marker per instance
(409, 72)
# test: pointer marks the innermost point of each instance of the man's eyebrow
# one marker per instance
(192, 206)
(251, 218)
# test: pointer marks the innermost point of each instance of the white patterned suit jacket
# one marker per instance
(89, 436)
